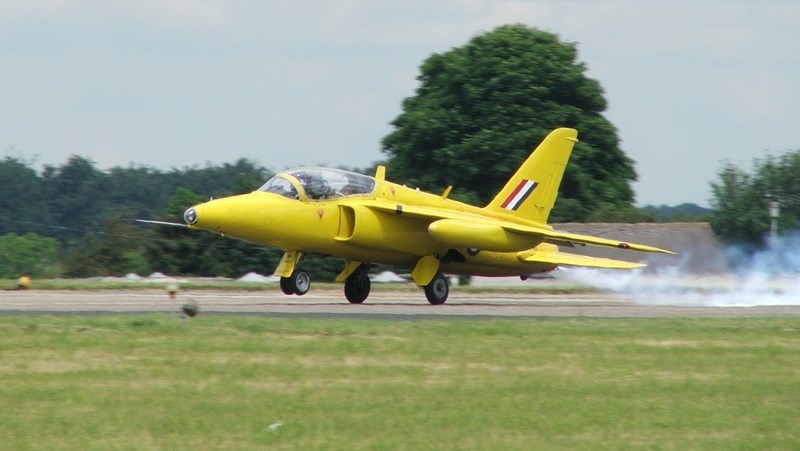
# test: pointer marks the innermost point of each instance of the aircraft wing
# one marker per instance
(571, 239)
(447, 222)
(411, 210)
(564, 258)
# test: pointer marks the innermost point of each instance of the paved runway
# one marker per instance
(380, 305)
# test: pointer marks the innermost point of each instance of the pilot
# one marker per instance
(316, 187)
(349, 188)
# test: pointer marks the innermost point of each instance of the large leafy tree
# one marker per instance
(479, 109)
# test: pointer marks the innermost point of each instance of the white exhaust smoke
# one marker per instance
(767, 277)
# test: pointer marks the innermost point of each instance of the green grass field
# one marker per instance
(158, 381)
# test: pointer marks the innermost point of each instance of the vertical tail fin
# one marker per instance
(532, 191)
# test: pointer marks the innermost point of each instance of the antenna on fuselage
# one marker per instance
(446, 192)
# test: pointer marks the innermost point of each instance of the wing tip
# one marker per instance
(644, 248)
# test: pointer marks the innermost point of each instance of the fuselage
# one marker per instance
(331, 212)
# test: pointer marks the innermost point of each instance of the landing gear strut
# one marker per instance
(357, 285)
(437, 290)
(298, 283)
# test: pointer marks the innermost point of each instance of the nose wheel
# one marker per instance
(298, 283)
(437, 290)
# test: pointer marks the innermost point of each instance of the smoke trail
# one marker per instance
(770, 276)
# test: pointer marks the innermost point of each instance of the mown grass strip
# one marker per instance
(116, 284)
(158, 381)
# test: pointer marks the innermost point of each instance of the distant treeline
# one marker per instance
(67, 201)
(75, 220)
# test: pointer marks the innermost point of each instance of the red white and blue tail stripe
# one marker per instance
(520, 193)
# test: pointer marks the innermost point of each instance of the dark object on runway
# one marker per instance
(190, 308)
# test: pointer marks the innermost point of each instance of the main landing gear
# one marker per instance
(357, 285)
(298, 283)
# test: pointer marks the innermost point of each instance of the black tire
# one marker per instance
(300, 282)
(437, 290)
(286, 286)
(356, 287)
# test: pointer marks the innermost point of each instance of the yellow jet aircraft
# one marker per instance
(364, 220)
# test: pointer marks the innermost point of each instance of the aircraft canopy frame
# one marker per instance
(318, 184)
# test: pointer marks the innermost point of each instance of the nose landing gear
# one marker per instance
(437, 290)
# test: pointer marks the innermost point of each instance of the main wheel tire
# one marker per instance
(437, 290)
(286, 286)
(356, 287)
(300, 282)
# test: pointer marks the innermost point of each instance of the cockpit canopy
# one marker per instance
(319, 184)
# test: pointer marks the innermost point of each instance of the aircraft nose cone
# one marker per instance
(190, 216)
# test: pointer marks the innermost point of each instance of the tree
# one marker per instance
(75, 196)
(480, 108)
(21, 197)
(115, 249)
(218, 181)
(140, 191)
(29, 254)
(741, 200)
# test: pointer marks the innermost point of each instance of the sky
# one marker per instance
(285, 83)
